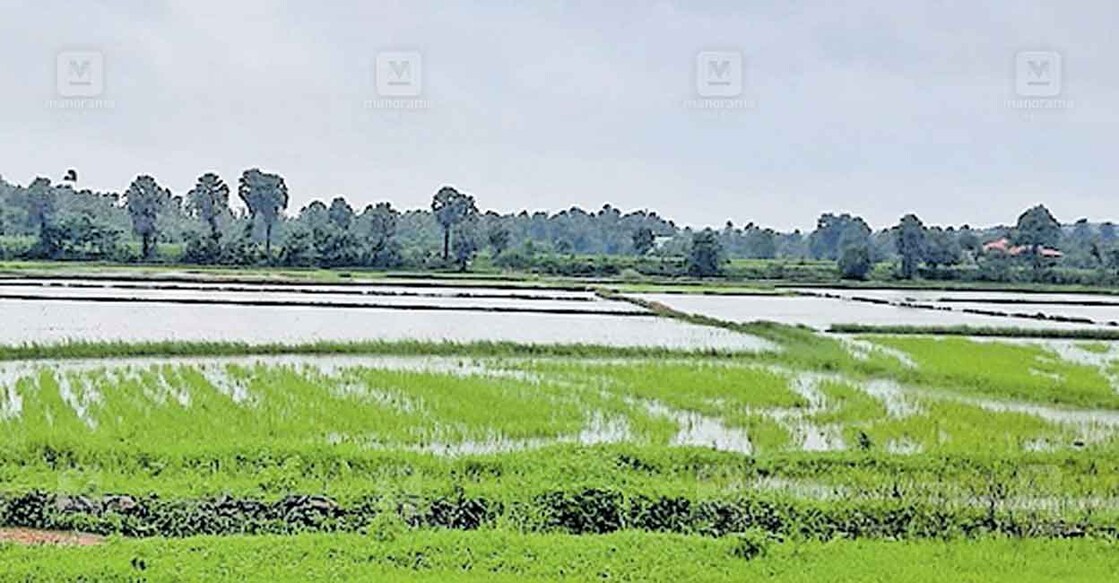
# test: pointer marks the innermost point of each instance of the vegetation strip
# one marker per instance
(579, 511)
(97, 349)
(391, 554)
(416, 281)
(947, 286)
(1030, 301)
(334, 305)
(978, 331)
(266, 288)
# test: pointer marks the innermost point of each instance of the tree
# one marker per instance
(208, 201)
(341, 213)
(854, 261)
(42, 206)
(759, 243)
(910, 240)
(1037, 228)
(82, 235)
(942, 247)
(1107, 232)
(450, 208)
(465, 248)
(266, 197)
(145, 199)
(969, 241)
(705, 255)
(643, 240)
(382, 220)
(498, 239)
(834, 232)
(299, 248)
(315, 215)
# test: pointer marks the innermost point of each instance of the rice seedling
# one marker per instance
(1015, 371)
(485, 444)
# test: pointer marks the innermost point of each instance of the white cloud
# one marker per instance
(879, 109)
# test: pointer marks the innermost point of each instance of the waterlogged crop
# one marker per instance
(454, 460)
(1001, 369)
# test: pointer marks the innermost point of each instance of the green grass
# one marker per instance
(992, 369)
(695, 288)
(510, 556)
(1095, 347)
(978, 331)
(111, 350)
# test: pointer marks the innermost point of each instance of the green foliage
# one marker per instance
(854, 262)
(451, 208)
(42, 206)
(643, 241)
(910, 242)
(266, 197)
(1037, 228)
(834, 233)
(705, 255)
(501, 555)
(145, 199)
(1019, 371)
(201, 229)
(977, 331)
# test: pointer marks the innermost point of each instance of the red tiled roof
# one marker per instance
(1003, 246)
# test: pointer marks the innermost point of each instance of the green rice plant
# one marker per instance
(945, 425)
(846, 403)
(977, 331)
(994, 369)
(766, 434)
(1094, 347)
(103, 349)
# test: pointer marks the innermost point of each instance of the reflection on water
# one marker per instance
(319, 297)
(54, 321)
(821, 312)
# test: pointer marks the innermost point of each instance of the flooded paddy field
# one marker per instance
(141, 311)
(323, 296)
(725, 404)
(702, 433)
(903, 425)
(57, 321)
(1015, 308)
(387, 287)
(822, 313)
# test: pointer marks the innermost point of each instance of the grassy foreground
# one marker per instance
(508, 556)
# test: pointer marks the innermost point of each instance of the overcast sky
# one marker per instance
(876, 108)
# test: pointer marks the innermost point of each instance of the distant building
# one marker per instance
(661, 240)
(1003, 246)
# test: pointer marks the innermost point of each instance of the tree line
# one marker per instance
(149, 223)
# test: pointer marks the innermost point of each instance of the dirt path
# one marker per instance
(30, 536)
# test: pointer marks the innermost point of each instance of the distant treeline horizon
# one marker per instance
(147, 222)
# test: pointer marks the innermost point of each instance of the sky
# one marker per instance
(768, 112)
